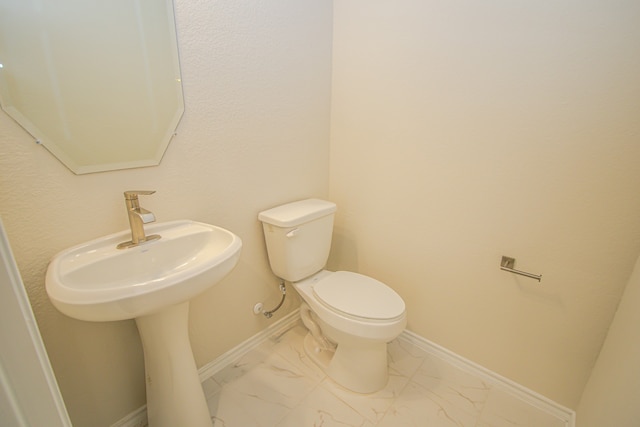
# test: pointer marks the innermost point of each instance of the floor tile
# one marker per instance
(210, 387)
(371, 406)
(451, 385)
(323, 408)
(277, 385)
(228, 408)
(404, 358)
(416, 406)
(270, 388)
(289, 346)
(244, 364)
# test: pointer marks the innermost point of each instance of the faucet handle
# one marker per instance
(133, 194)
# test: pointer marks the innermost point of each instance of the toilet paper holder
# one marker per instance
(508, 263)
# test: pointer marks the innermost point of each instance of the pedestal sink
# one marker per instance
(151, 283)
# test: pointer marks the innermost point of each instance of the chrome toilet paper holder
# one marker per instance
(508, 264)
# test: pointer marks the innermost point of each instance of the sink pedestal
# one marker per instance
(151, 283)
(174, 392)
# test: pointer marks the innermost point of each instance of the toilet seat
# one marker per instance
(359, 296)
(338, 317)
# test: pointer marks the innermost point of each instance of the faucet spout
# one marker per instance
(145, 216)
(138, 216)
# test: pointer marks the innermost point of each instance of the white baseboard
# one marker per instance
(235, 353)
(527, 395)
(138, 418)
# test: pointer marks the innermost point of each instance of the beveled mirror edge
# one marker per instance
(162, 146)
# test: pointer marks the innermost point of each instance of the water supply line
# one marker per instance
(283, 289)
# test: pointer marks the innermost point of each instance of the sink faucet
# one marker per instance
(137, 218)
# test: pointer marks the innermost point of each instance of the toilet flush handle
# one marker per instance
(293, 232)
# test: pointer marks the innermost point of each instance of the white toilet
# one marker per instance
(350, 317)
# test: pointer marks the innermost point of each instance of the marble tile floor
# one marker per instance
(276, 385)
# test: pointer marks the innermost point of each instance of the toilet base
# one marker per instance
(356, 364)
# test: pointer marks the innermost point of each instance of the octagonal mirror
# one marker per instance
(95, 82)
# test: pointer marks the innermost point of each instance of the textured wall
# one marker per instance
(611, 395)
(255, 134)
(462, 131)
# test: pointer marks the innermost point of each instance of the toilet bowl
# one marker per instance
(349, 330)
(350, 317)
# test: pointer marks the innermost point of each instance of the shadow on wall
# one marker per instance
(344, 251)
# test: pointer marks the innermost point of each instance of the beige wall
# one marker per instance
(255, 134)
(611, 395)
(464, 130)
(461, 131)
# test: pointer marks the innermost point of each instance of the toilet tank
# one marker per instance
(298, 237)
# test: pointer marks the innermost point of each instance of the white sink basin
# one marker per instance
(153, 283)
(97, 282)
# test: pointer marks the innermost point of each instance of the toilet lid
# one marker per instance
(358, 295)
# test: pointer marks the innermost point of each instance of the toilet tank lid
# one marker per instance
(297, 213)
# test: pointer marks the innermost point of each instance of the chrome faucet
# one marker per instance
(137, 218)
